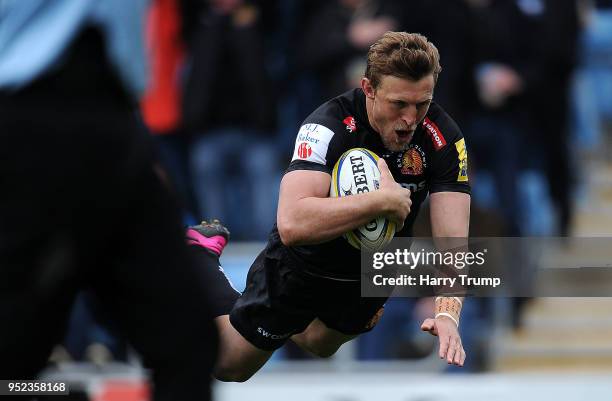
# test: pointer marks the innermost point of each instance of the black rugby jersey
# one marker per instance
(435, 161)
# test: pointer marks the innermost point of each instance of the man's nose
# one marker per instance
(410, 116)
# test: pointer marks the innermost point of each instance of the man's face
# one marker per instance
(396, 107)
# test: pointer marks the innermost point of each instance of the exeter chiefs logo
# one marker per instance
(351, 125)
(412, 161)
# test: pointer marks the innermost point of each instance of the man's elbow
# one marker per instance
(288, 232)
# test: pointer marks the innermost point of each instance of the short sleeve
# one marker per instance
(449, 157)
(314, 148)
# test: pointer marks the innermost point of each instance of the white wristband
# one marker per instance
(447, 315)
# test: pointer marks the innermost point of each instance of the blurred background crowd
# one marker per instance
(528, 81)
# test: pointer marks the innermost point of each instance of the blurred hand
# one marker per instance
(497, 82)
(225, 7)
(447, 332)
(362, 33)
(397, 198)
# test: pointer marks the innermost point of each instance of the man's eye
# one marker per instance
(399, 103)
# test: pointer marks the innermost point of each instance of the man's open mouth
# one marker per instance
(403, 133)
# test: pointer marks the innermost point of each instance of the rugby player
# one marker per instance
(304, 285)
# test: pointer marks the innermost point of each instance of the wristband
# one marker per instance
(449, 307)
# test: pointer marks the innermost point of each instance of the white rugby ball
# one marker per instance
(357, 172)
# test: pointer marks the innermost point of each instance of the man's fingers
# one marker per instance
(456, 353)
(452, 350)
(384, 169)
(451, 347)
(444, 344)
(458, 350)
(459, 356)
(428, 325)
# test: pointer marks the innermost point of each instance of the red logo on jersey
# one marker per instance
(351, 126)
(304, 150)
(434, 132)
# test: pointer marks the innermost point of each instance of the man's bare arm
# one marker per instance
(450, 214)
(306, 215)
(450, 217)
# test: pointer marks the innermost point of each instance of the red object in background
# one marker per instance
(161, 103)
(123, 390)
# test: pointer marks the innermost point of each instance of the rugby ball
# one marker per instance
(357, 172)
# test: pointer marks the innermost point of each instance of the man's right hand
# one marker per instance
(396, 198)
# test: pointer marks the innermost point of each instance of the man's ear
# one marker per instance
(367, 88)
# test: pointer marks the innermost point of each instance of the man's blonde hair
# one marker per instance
(402, 55)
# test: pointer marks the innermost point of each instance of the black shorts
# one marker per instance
(280, 300)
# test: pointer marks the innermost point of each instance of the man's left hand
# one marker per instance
(450, 341)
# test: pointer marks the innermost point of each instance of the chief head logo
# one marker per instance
(412, 162)
(350, 123)
(304, 150)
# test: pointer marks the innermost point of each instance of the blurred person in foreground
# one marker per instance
(305, 285)
(82, 206)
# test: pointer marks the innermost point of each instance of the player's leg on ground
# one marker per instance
(320, 340)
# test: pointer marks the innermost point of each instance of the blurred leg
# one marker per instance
(156, 293)
(38, 275)
(263, 176)
(209, 174)
(37, 290)
(174, 155)
(78, 332)
(493, 142)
